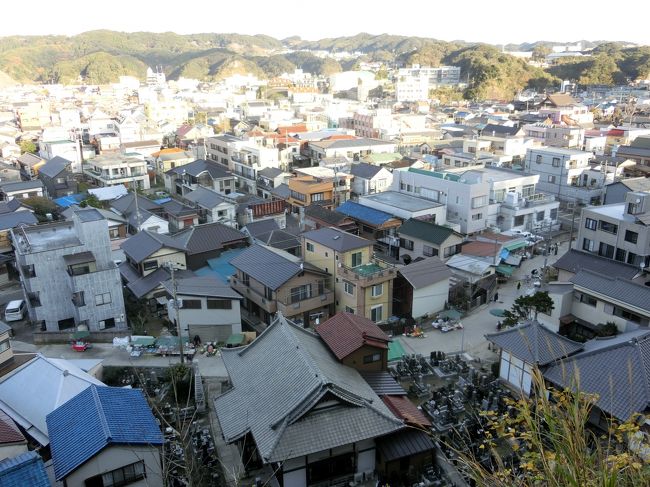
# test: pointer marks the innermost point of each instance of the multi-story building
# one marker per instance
(185, 179)
(308, 190)
(126, 169)
(354, 149)
(248, 160)
(363, 284)
(271, 281)
(566, 173)
(553, 135)
(67, 149)
(414, 83)
(68, 274)
(619, 231)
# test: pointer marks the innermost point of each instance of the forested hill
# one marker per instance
(100, 57)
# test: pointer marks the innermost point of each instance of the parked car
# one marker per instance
(15, 310)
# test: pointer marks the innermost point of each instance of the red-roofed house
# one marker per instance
(403, 408)
(356, 341)
(12, 441)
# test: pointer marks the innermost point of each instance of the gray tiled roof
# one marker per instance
(425, 272)
(266, 266)
(144, 285)
(277, 381)
(262, 226)
(335, 239)
(280, 239)
(144, 243)
(364, 171)
(575, 261)
(205, 197)
(21, 185)
(282, 191)
(11, 220)
(54, 166)
(207, 237)
(427, 231)
(9, 206)
(200, 166)
(617, 288)
(125, 205)
(619, 375)
(177, 209)
(270, 172)
(533, 343)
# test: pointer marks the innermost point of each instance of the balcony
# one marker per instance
(373, 272)
(269, 305)
(537, 199)
(290, 308)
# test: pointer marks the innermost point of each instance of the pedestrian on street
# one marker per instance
(496, 297)
(518, 286)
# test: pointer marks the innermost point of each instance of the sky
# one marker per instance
(495, 22)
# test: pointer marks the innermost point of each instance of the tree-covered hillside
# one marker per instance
(101, 56)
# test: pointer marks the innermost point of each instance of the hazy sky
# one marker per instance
(499, 21)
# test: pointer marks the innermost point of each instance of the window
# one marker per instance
(553, 214)
(620, 255)
(551, 179)
(608, 227)
(631, 258)
(588, 245)
(219, 304)
(477, 216)
(29, 270)
(528, 190)
(377, 290)
(623, 313)
(376, 312)
(298, 196)
(479, 201)
(300, 293)
(606, 250)
(406, 243)
(104, 298)
(119, 477)
(349, 310)
(348, 287)
(78, 299)
(357, 259)
(309, 246)
(556, 162)
(538, 159)
(109, 323)
(150, 264)
(540, 216)
(318, 197)
(519, 220)
(268, 293)
(631, 236)
(114, 233)
(591, 224)
(429, 251)
(586, 299)
(245, 279)
(191, 304)
(375, 357)
(4, 345)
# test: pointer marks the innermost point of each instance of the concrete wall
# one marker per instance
(430, 299)
(209, 324)
(12, 449)
(115, 457)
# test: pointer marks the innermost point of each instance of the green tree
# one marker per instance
(41, 206)
(27, 145)
(91, 200)
(540, 52)
(527, 308)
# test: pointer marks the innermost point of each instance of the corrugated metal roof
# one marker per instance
(383, 383)
(202, 286)
(96, 418)
(574, 261)
(404, 444)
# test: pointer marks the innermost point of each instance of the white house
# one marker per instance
(369, 178)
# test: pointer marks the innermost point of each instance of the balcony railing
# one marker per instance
(288, 307)
(269, 305)
(374, 270)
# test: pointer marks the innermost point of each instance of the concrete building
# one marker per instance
(68, 275)
(566, 173)
(126, 169)
(414, 83)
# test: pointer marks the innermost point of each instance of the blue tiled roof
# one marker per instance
(26, 469)
(96, 418)
(220, 267)
(364, 213)
(66, 201)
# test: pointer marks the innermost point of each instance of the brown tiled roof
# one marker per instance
(481, 249)
(9, 432)
(404, 409)
(345, 333)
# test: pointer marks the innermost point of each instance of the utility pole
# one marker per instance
(573, 219)
(176, 308)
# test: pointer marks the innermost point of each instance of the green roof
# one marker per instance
(422, 230)
(395, 350)
(435, 174)
(384, 157)
(236, 339)
(505, 269)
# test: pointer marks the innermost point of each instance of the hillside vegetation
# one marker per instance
(99, 57)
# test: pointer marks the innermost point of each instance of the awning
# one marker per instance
(513, 259)
(515, 245)
(78, 335)
(143, 341)
(404, 443)
(236, 340)
(505, 270)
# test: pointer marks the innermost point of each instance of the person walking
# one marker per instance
(518, 286)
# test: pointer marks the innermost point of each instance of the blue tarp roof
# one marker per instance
(162, 200)
(73, 199)
(364, 213)
(96, 418)
(220, 267)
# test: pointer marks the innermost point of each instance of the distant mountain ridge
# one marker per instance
(99, 57)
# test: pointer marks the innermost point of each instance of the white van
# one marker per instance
(15, 310)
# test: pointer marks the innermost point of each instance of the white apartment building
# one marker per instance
(566, 173)
(68, 149)
(113, 169)
(413, 84)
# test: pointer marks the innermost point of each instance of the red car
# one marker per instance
(80, 345)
